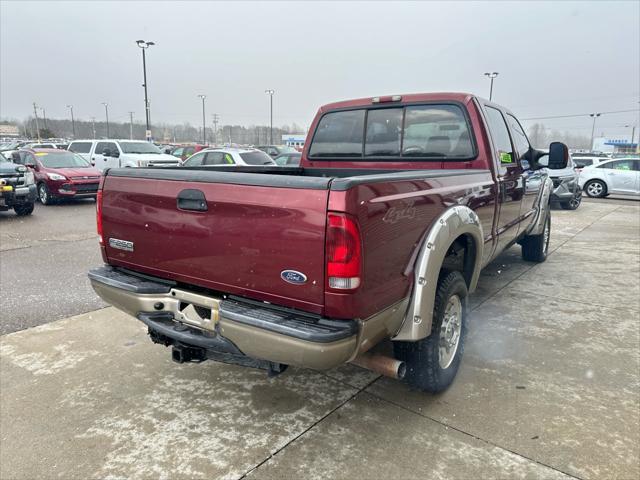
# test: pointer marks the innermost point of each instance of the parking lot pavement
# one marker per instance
(44, 260)
(549, 388)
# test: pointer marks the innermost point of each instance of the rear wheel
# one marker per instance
(596, 189)
(536, 247)
(24, 209)
(572, 204)
(432, 363)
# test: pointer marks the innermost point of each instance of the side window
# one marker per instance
(188, 151)
(519, 137)
(178, 152)
(500, 135)
(213, 158)
(195, 160)
(626, 165)
(636, 165)
(101, 146)
(228, 159)
(80, 147)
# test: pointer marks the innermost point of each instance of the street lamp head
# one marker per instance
(69, 106)
(202, 96)
(143, 44)
(491, 74)
(270, 92)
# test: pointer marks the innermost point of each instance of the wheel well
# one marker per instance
(460, 257)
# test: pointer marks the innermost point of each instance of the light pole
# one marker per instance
(593, 128)
(204, 123)
(491, 75)
(144, 45)
(131, 125)
(93, 126)
(270, 93)
(106, 113)
(73, 122)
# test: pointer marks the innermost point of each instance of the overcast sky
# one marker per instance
(554, 58)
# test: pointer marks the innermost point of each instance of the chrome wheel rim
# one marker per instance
(43, 194)
(595, 189)
(450, 331)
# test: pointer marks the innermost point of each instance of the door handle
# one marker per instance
(192, 199)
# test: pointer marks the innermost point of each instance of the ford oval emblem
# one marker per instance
(291, 276)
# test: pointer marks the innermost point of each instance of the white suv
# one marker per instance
(229, 157)
(122, 153)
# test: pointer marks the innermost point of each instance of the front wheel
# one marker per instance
(536, 247)
(44, 195)
(24, 209)
(432, 363)
(596, 189)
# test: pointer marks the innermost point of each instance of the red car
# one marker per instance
(185, 151)
(61, 174)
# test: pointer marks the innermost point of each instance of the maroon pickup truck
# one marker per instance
(379, 234)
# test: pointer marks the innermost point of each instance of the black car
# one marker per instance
(17, 188)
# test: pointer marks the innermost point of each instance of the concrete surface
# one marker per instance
(549, 388)
(44, 260)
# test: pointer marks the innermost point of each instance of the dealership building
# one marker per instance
(614, 145)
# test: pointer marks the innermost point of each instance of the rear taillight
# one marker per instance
(99, 215)
(343, 252)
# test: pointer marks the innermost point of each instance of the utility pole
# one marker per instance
(270, 93)
(491, 75)
(144, 45)
(106, 113)
(593, 128)
(204, 123)
(215, 128)
(131, 125)
(44, 116)
(35, 112)
(93, 126)
(73, 122)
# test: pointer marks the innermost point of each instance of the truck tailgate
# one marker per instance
(247, 236)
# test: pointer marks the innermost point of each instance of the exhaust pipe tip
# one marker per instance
(381, 364)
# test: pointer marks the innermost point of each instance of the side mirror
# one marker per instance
(106, 152)
(558, 156)
(30, 165)
(115, 154)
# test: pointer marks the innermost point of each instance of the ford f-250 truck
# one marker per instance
(379, 234)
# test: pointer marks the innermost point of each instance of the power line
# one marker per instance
(577, 115)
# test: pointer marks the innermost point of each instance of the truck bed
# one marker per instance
(235, 230)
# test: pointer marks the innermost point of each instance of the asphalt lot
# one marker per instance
(549, 386)
(44, 260)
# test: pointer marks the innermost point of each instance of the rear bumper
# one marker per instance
(229, 325)
(565, 188)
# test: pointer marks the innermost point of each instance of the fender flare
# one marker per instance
(456, 221)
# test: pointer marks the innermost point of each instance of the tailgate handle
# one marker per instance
(191, 199)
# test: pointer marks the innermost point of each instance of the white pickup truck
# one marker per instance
(105, 154)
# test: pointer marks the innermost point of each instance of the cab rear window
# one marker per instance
(429, 132)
